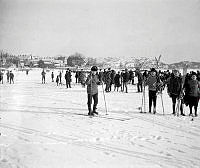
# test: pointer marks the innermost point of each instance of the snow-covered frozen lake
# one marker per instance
(45, 126)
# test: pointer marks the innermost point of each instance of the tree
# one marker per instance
(91, 62)
(76, 60)
(157, 60)
(41, 64)
(61, 58)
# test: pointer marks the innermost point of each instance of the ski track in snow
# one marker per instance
(124, 134)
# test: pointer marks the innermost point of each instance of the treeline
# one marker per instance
(8, 60)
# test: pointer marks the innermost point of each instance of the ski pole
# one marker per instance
(144, 99)
(142, 103)
(162, 103)
(104, 99)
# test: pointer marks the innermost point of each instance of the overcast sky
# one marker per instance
(102, 28)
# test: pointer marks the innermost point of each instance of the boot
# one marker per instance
(94, 111)
(154, 110)
(173, 106)
(90, 112)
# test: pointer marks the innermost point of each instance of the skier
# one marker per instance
(193, 93)
(174, 86)
(52, 77)
(92, 82)
(43, 76)
(152, 81)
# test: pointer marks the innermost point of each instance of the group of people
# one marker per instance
(58, 80)
(182, 89)
(10, 77)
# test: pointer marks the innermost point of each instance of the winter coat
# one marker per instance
(125, 77)
(117, 80)
(82, 77)
(174, 85)
(11, 75)
(193, 88)
(112, 76)
(100, 76)
(140, 76)
(43, 73)
(152, 82)
(92, 82)
(68, 76)
(108, 77)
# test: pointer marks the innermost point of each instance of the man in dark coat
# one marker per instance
(125, 80)
(68, 78)
(43, 76)
(11, 77)
(92, 82)
(117, 81)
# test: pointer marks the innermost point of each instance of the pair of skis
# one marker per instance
(143, 106)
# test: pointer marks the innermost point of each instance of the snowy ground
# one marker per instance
(44, 126)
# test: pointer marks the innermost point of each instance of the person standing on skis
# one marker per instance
(174, 87)
(153, 82)
(92, 83)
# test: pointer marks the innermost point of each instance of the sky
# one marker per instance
(102, 28)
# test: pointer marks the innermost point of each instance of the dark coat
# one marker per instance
(125, 77)
(68, 76)
(117, 80)
(174, 85)
(193, 88)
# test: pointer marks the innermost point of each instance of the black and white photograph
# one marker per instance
(99, 83)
